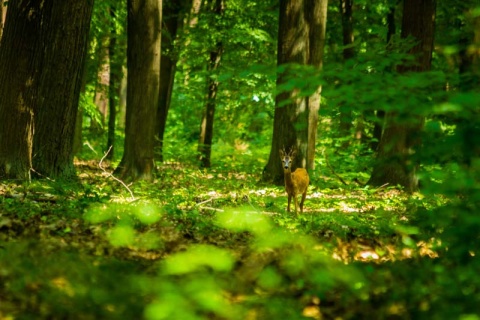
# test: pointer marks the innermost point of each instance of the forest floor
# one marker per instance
(203, 244)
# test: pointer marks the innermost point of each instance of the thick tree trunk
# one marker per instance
(317, 20)
(66, 27)
(172, 21)
(206, 128)
(21, 34)
(42, 51)
(300, 40)
(143, 63)
(292, 48)
(395, 165)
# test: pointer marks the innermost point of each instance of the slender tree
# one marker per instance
(206, 127)
(395, 165)
(143, 64)
(172, 22)
(379, 114)
(301, 39)
(113, 83)
(41, 66)
(469, 71)
(469, 79)
(346, 10)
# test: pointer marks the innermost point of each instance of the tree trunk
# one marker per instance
(66, 26)
(346, 114)
(191, 23)
(2, 9)
(317, 20)
(395, 165)
(469, 81)
(21, 34)
(300, 40)
(143, 63)
(468, 69)
(172, 21)
(206, 128)
(42, 55)
(101, 99)
(113, 86)
(379, 115)
(78, 135)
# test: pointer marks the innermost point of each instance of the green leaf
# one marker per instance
(196, 258)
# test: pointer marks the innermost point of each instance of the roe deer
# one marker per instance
(295, 182)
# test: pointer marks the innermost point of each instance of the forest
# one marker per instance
(239, 159)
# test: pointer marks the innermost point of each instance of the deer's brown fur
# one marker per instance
(296, 182)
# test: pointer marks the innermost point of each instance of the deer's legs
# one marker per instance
(304, 195)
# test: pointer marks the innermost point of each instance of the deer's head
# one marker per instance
(287, 157)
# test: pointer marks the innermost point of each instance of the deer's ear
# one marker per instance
(293, 153)
(282, 153)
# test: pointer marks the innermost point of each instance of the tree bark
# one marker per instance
(317, 21)
(300, 41)
(346, 114)
(78, 135)
(113, 85)
(172, 21)
(379, 115)
(2, 9)
(66, 27)
(21, 34)
(143, 64)
(469, 81)
(469, 58)
(42, 56)
(395, 164)
(206, 128)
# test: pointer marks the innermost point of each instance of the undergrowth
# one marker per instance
(214, 244)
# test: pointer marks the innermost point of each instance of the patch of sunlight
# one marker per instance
(312, 312)
(267, 192)
(63, 285)
(367, 255)
(346, 208)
